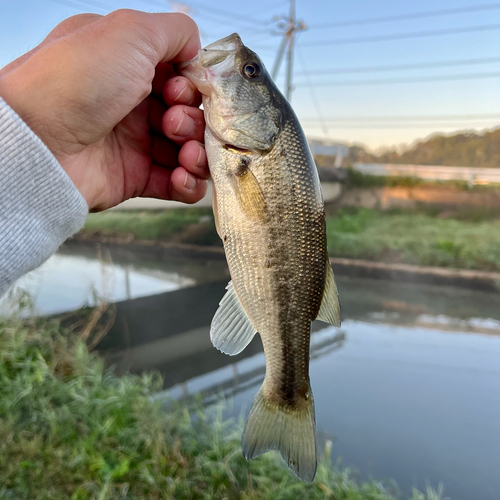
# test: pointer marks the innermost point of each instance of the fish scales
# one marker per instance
(278, 267)
(270, 216)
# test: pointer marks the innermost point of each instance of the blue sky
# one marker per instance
(368, 103)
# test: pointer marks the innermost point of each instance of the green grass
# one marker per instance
(71, 430)
(415, 238)
(183, 225)
(464, 237)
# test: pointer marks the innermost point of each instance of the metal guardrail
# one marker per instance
(431, 172)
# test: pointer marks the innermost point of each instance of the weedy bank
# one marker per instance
(193, 225)
(466, 238)
(462, 239)
(69, 429)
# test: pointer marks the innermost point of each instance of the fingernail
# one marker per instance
(185, 127)
(189, 182)
(180, 94)
(201, 154)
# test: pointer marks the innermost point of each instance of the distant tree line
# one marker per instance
(459, 150)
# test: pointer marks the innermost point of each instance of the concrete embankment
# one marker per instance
(468, 278)
(411, 197)
(331, 185)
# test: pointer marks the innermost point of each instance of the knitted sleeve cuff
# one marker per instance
(39, 205)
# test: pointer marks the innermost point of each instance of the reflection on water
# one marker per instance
(408, 388)
(65, 283)
(74, 278)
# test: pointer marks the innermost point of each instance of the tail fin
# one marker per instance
(289, 431)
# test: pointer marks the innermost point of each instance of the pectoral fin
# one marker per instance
(249, 193)
(329, 312)
(231, 330)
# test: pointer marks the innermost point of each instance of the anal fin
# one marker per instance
(231, 330)
(329, 312)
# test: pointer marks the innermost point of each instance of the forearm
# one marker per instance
(39, 205)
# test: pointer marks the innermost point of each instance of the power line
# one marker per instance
(444, 78)
(216, 18)
(246, 35)
(82, 5)
(276, 5)
(157, 3)
(486, 116)
(224, 13)
(403, 17)
(99, 5)
(312, 91)
(210, 11)
(408, 126)
(400, 36)
(398, 67)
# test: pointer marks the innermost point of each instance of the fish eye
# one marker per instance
(251, 70)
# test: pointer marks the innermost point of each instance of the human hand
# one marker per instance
(101, 93)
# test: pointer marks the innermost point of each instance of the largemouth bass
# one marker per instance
(270, 216)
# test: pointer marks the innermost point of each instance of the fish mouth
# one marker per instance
(229, 43)
(201, 68)
(193, 71)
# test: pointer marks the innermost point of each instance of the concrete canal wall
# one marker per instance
(331, 192)
(431, 172)
(335, 191)
(410, 197)
(381, 198)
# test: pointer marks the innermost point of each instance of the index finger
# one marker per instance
(163, 37)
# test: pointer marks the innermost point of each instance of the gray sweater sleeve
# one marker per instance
(39, 205)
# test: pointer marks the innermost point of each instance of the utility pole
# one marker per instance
(288, 42)
(279, 58)
(289, 69)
